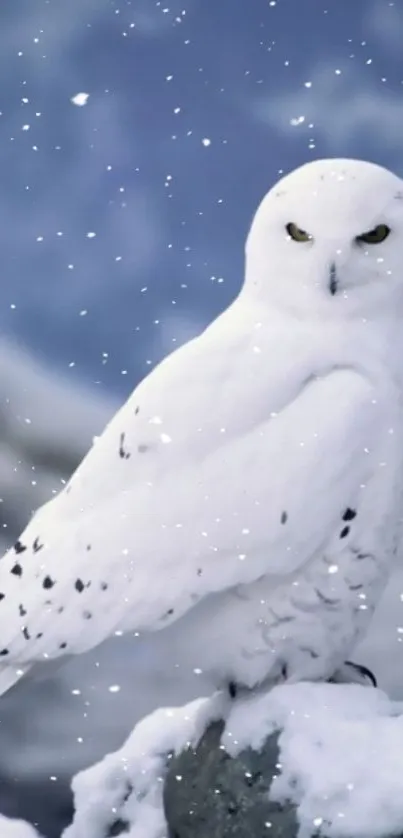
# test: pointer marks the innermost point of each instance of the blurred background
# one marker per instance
(136, 139)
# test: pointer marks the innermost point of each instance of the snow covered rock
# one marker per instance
(123, 794)
(16, 829)
(209, 793)
(302, 760)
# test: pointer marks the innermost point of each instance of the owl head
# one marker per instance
(328, 240)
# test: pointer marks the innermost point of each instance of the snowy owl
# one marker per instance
(246, 501)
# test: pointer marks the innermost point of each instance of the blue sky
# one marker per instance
(194, 108)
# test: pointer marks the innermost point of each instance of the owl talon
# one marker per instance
(353, 673)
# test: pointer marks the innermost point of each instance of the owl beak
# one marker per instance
(333, 281)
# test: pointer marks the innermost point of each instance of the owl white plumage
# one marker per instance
(247, 499)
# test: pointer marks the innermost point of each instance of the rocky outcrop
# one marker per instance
(209, 793)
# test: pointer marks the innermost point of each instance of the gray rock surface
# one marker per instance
(207, 793)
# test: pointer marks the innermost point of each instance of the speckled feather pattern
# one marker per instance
(246, 499)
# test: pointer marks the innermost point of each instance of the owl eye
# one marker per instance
(297, 234)
(375, 236)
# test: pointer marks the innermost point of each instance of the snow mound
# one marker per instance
(341, 761)
(16, 829)
(127, 786)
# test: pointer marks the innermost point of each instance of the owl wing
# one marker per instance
(195, 521)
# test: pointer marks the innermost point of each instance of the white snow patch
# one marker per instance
(80, 99)
(16, 829)
(341, 757)
(128, 784)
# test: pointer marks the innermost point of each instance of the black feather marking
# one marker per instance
(4, 652)
(17, 569)
(199, 571)
(22, 611)
(19, 547)
(26, 633)
(345, 531)
(37, 545)
(137, 411)
(60, 609)
(284, 517)
(104, 586)
(48, 582)
(125, 455)
(349, 514)
(87, 615)
(79, 585)
(62, 645)
(89, 546)
(39, 635)
(2, 596)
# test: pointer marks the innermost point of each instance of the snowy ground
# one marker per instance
(341, 752)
